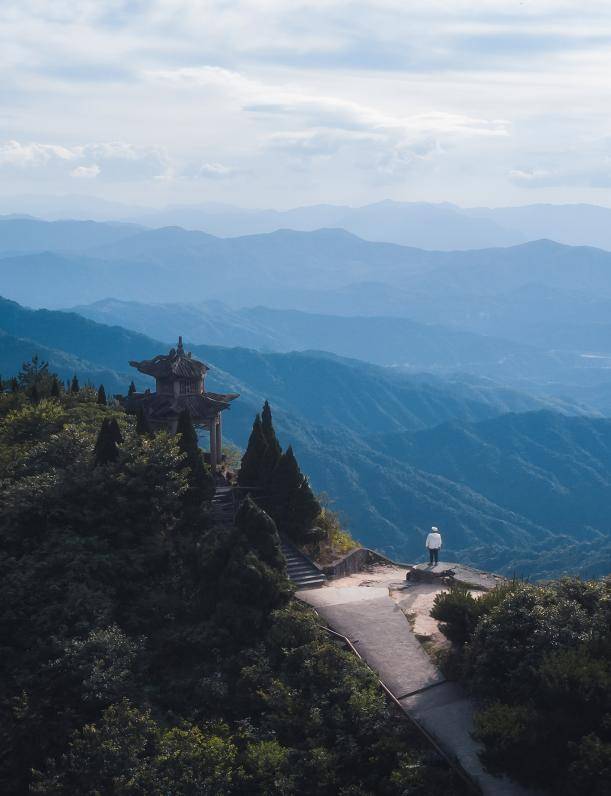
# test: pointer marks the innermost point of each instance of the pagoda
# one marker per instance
(180, 384)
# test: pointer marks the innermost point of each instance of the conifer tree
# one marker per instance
(74, 385)
(14, 384)
(54, 392)
(109, 437)
(201, 482)
(261, 533)
(34, 394)
(101, 399)
(274, 451)
(131, 390)
(269, 431)
(1, 385)
(294, 506)
(142, 423)
(251, 469)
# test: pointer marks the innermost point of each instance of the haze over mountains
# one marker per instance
(534, 316)
(469, 388)
(424, 225)
(361, 433)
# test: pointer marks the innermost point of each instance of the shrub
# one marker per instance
(458, 612)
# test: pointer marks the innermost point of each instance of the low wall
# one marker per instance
(355, 561)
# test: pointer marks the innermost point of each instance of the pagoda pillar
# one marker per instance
(219, 440)
(213, 453)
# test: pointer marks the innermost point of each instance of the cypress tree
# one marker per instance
(261, 533)
(131, 390)
(274, 451)
(109, 437)
(201, 481)
(101, 396)
(54, 388)
(142, 423)
(294, 505)
(251, 468)
(74, 385)
(268, 429)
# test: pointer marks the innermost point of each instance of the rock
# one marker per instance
(445, 572)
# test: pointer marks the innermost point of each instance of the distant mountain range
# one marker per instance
(397, 452)
(284, 268)
(389, 341)
(441, 226)
(534, 316)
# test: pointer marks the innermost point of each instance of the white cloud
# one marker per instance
(321, 125)
(181, 97)
(216, 171)
(121, 161)
(86, 172)
(32, 155)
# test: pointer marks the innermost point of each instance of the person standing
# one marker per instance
(433, 545)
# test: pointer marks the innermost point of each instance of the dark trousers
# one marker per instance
(433, 555)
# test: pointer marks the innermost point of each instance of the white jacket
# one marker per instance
(433, 541)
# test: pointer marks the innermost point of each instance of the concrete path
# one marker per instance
(360, 607)
(380, 632)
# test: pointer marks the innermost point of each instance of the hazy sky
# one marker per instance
(273, 103)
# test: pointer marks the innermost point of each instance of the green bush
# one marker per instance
(538, 656)
(458, 611)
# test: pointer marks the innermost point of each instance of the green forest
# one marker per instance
(146, 651)
(537, 658)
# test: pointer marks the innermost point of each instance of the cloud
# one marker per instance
(216, 171)
(321, 125)
(576, 167)
(32, 155)
(120, 161)
(86, 172)
(182, 95)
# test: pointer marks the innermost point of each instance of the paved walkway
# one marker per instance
(360, 607)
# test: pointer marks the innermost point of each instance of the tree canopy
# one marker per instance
(147, 652)
(539, 659)
(200, 479)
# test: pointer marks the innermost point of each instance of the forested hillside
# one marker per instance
(353, 425)
(144, 649)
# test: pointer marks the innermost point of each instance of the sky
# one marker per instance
(267, 103)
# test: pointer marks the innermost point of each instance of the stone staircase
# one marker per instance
(300, 570)
(223, 506)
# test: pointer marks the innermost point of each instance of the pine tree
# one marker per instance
(294, 506)
(131, 390)
(14, 384)
(74, 385)
(273, 452)
(251, 470)
(201, 481)
(142, 423)
(109, 437)
(261, 533)
(54, 388)
(34, 394)
(101, 395)
(1, 385)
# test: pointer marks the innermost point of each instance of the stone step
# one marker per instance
(300, 570)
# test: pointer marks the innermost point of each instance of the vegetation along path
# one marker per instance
(361, 607)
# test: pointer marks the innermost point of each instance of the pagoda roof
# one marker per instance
(202, 407)
(175, 364)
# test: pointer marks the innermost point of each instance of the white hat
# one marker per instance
(434, 529)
